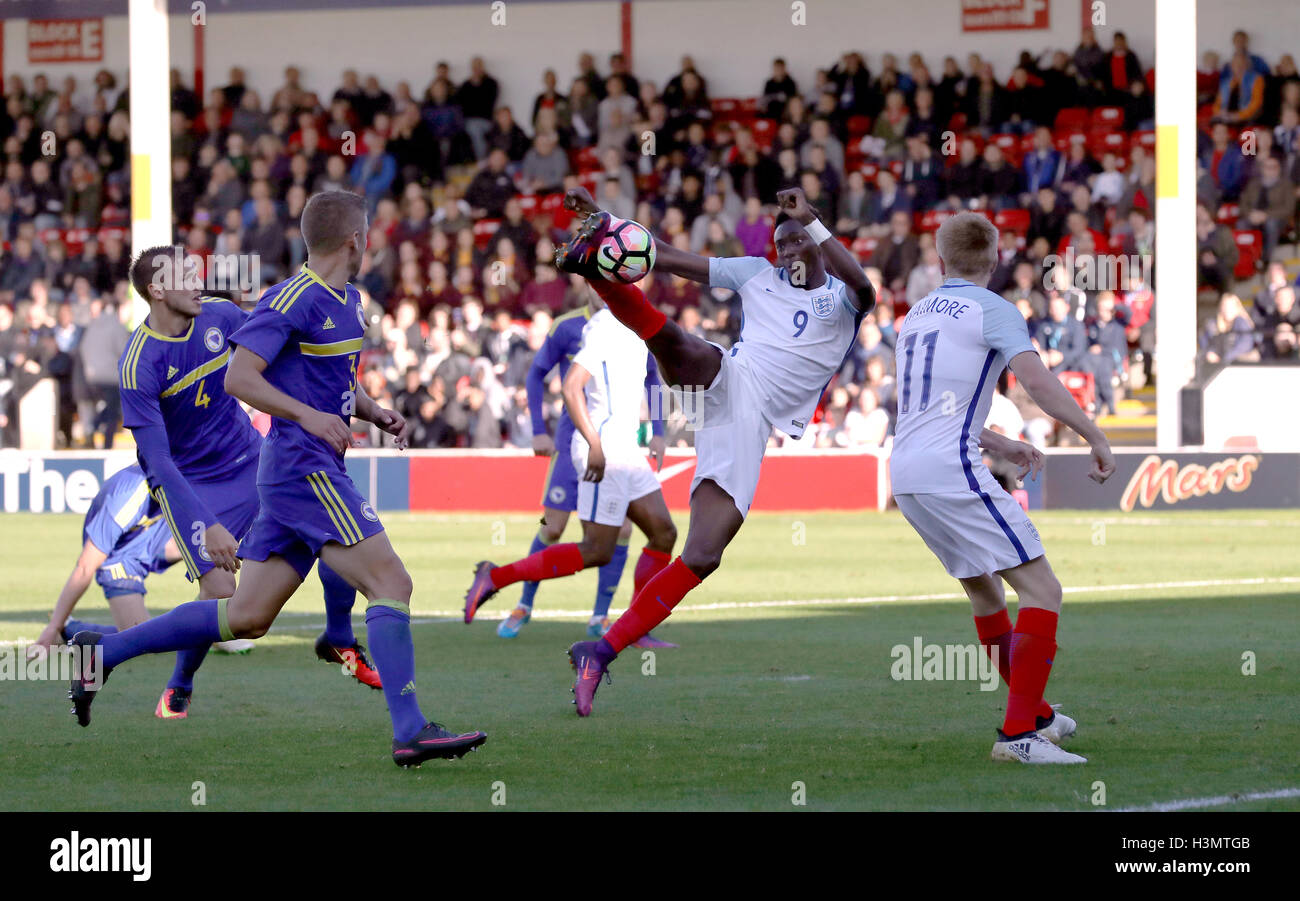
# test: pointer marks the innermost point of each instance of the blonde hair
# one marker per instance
(967, 245)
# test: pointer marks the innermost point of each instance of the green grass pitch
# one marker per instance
(783, 677)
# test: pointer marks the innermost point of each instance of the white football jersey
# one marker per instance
(952, 347)
(617, 360)
(792, 339)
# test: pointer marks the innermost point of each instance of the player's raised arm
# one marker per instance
(1048, 392)
(575, 399)
(837, 258)
(244, 380)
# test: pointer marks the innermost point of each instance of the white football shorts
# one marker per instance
(973, 532)
(731, 433)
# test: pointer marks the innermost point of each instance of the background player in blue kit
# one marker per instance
(560, 492)
(297, 359)
(124, 540)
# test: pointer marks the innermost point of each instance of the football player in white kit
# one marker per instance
(951, 348)
(799, 320)
(602, 390)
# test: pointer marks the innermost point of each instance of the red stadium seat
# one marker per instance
(1082, 387)
(1250, 249)
(528, 204)
(1073, 118)
(587, 160)
(725, 107)
(1115, 142)
(1110, 117)
(869, 170)
(1228, 214)
(863, 248)
(859, 126)
(1010, 147)
(930, 220)
(1012, 221)
(1063, 139)
(957, 122)
(1145, 138)
(484, 229)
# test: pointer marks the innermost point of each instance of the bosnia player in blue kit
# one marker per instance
(560, 491)
(124, 539)
(296, 359)
(199, 451)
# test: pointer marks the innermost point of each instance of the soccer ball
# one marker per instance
(626, 253)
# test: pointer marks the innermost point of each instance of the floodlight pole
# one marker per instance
(1175, 239)
(150, 84)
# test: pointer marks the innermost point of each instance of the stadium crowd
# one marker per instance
(465, 192)
(1248, 188)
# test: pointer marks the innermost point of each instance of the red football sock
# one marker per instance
(652, 604)
(1033, 647)
(630, 307)
(647, 567)
(548, 563)
(995, 632)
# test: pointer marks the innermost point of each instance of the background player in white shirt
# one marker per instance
(799, 320)
(951, 349)
(602, 392)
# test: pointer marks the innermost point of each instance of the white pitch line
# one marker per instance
(1218, 801)
(439, 617)
(454, 615)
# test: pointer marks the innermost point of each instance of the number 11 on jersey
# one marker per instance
(928, 341)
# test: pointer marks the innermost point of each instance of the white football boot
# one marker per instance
(1060, 728)
(234, 646)
(1032, 748)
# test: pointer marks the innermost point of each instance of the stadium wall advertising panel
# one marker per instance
(1149, 480)
(450, 481)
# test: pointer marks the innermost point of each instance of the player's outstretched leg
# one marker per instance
(189, 625)
(338, 643)
(552, 562)
(1033, 649)
(374, 568)
(993, 625)
(714, 522)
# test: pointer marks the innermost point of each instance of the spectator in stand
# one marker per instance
(491, 188)
(102, 345)
(506, 135)
(1268, 204)
(1224, 161)
(755, 227)
(1241, 91)
(927, 276)
(999, 182)
(777, 90)
(477, 99)
(544, 165)
(1107, 351)
(1216, 250)
(1229, 337)
(1122, 69)
(1025, 287)
(1279, 326)
(1042, 165)
(964, 180)
(1061, 337)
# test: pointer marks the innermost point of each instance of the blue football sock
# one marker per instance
(73, 626)
(607, 583)
(339, 599)
(188, 661)
(195, 623)
(388, 629)
(530, 588)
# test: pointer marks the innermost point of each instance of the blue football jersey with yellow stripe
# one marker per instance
(178, 383)
(310, 336)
